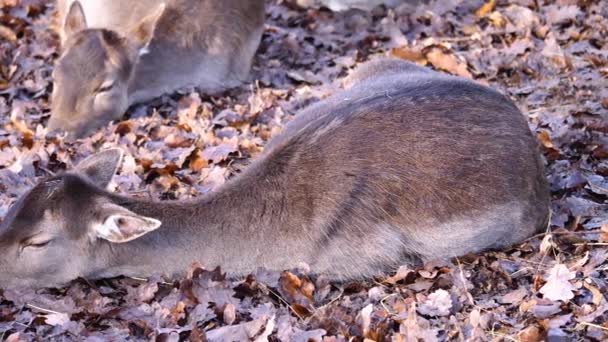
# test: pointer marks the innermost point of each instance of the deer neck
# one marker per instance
(222, 228)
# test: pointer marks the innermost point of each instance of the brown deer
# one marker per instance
(404, 166)
(116, 53)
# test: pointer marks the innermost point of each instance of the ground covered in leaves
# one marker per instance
(550, 57)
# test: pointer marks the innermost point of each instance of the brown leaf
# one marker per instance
(294, 287)
(543, 137)
(257, 330)
(7, 33)
(409, 54)
(531, 334)
(486, 8)
(444, 60)
(597, 295)
(401, 274)
(197, 163)
(514, 297)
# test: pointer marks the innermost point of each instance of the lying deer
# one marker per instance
(117, 53)
(404, 166)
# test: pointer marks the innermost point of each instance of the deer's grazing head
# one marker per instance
(91, 77)
(61, 229)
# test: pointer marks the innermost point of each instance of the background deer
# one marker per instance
(404, 166)
(116, 53)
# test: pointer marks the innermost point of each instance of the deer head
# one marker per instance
(91, 77)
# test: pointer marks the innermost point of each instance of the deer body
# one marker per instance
(402, 167)
(153, 47)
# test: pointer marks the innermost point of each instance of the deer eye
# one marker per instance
(35, 243)
(106, 86)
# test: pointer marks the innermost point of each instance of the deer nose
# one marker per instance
(54, 128)
(60, 127)
(54, 124)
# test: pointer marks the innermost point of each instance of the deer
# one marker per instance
(118, 53)
(402, 166)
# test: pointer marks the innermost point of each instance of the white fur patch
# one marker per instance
(144, 50)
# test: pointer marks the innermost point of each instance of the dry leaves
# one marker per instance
(549, 57)
(438, 303)
(558, 286)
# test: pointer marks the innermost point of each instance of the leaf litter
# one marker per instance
(550, 57)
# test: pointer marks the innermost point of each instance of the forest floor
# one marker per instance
(550, 57)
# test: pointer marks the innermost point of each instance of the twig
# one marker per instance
(17, 323)
(47, 311)
(384, 305)
(522, 260)
(282, 300)
(50, 173)
(591, 244)
(523, 269)
(594, 326)
(464, 283)
(579, 232)
(583, 232)
(323, 306)
(145, 280)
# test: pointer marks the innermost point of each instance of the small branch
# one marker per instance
(283, 300)
(43, 310)
(323, 306)
(464, 283)
(384, 305)
(581, 232)
(594, 326)
(145, 280)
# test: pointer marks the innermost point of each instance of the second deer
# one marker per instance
(116, 53)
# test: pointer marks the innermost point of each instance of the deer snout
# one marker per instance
(57, 126)
(54, 125)
(73, 125)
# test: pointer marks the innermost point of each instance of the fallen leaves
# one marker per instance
(442, 59)
(438, 303)
(550, 58)
(486, 8)
(57, 318)
(257, 330)
(558, 286)
(218, 153)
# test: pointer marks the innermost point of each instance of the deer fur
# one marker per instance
(116, 53)
(400, 168)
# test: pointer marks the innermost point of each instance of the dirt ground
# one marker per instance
(550, 57)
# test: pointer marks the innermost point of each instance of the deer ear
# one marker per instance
(122, 225)
(101, 167)
(75, 20)
(143, 32)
